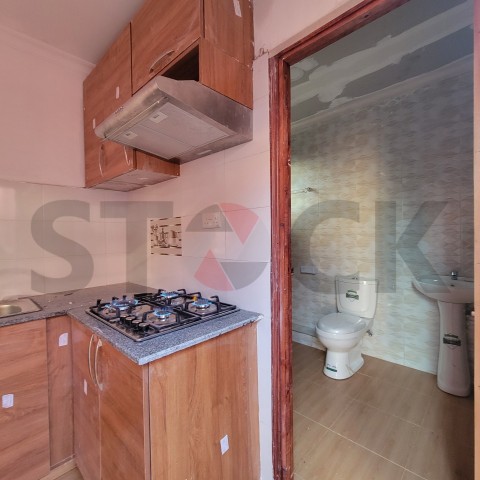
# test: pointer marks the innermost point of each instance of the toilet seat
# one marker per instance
(341, 323)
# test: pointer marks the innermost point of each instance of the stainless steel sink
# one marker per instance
(16, 307)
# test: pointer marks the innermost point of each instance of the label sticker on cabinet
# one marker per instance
(224, 444)
(7, 400)
(85, 387)
(236, 6)
(63, 339)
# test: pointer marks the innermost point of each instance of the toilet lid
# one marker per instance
(341, 323)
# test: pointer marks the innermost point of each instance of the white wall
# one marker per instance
(41, 119)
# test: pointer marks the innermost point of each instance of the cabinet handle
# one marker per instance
(128, 161)
(90, 358)
(159, 59)
(97, 349)
(101, 159)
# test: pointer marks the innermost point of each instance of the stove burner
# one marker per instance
(201, 303)
(122, 304)
(163, 312)
(169, 295)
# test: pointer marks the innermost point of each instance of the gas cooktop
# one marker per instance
(147, 315)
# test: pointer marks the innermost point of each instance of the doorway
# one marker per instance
(281, 223)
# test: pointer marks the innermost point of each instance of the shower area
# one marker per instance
(382, 173)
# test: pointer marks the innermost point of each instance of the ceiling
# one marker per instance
(416, 38)
(83, 28)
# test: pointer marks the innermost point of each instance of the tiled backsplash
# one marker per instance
(388, 156)
(58, 238)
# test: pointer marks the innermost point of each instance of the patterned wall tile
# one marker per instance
(388, 158)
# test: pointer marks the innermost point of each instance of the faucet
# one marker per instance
(454, 275)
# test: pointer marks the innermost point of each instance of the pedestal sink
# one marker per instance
(453, 374)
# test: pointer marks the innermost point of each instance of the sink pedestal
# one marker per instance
(453, 375)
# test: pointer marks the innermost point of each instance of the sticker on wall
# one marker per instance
(166, 236)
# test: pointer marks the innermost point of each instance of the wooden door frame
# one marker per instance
(281, 286)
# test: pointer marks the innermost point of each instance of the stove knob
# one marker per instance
(143, 327)
(135, 324)
(128, 320)
(123, 316)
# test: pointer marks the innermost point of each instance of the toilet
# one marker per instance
(342, 332)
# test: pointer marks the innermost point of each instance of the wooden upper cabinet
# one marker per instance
(105, 90)
(229, 26)
(210, 41)
(161, 31)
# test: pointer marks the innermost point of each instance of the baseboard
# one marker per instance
(307, 340)
(61, 470)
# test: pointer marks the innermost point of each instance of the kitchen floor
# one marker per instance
(387, 422)
(71, 475)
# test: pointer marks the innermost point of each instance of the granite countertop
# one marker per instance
(74, 303)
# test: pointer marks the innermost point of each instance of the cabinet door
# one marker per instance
(24, 438)
(197, 397)
(86, 404)
(60, 398)
(106, 89)
(162, 30)
(105, 160)
(125, 445)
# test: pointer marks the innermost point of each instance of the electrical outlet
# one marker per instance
(211, 220)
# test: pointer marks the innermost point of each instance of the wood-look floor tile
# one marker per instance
(436, 456)
(411, 476)
(337, 458)
(317, 403)
(399, 375)
(452, 416)
(380, 432)
(406, 404)
(307, 435)
(351, 387)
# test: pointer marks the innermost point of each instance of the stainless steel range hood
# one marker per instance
(178, 120)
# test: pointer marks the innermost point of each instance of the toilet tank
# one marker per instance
(356, 296)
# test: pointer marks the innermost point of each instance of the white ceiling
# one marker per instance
(84, 28)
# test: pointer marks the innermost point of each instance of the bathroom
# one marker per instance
(382, 188)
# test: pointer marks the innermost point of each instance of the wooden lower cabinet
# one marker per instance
(24, 416)
(60, 395)
(165, 420)
(199, 396)
(110, 402)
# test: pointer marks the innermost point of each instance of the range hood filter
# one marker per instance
(178, 120)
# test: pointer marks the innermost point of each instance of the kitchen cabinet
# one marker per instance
(166, 420)
(24, 415)
(110, 411)
(210, 41)
(60, 398)
(108, 164)
(200, 397)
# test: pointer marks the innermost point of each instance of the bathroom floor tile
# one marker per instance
(306, 435)
(382, 433)
(386, 422)
(318, 404)
(410, 476)
(350, 387)
(336, 458)
(436, 456)
(451, 416)
(406, 404)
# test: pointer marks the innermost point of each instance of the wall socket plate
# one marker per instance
(211, 220)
